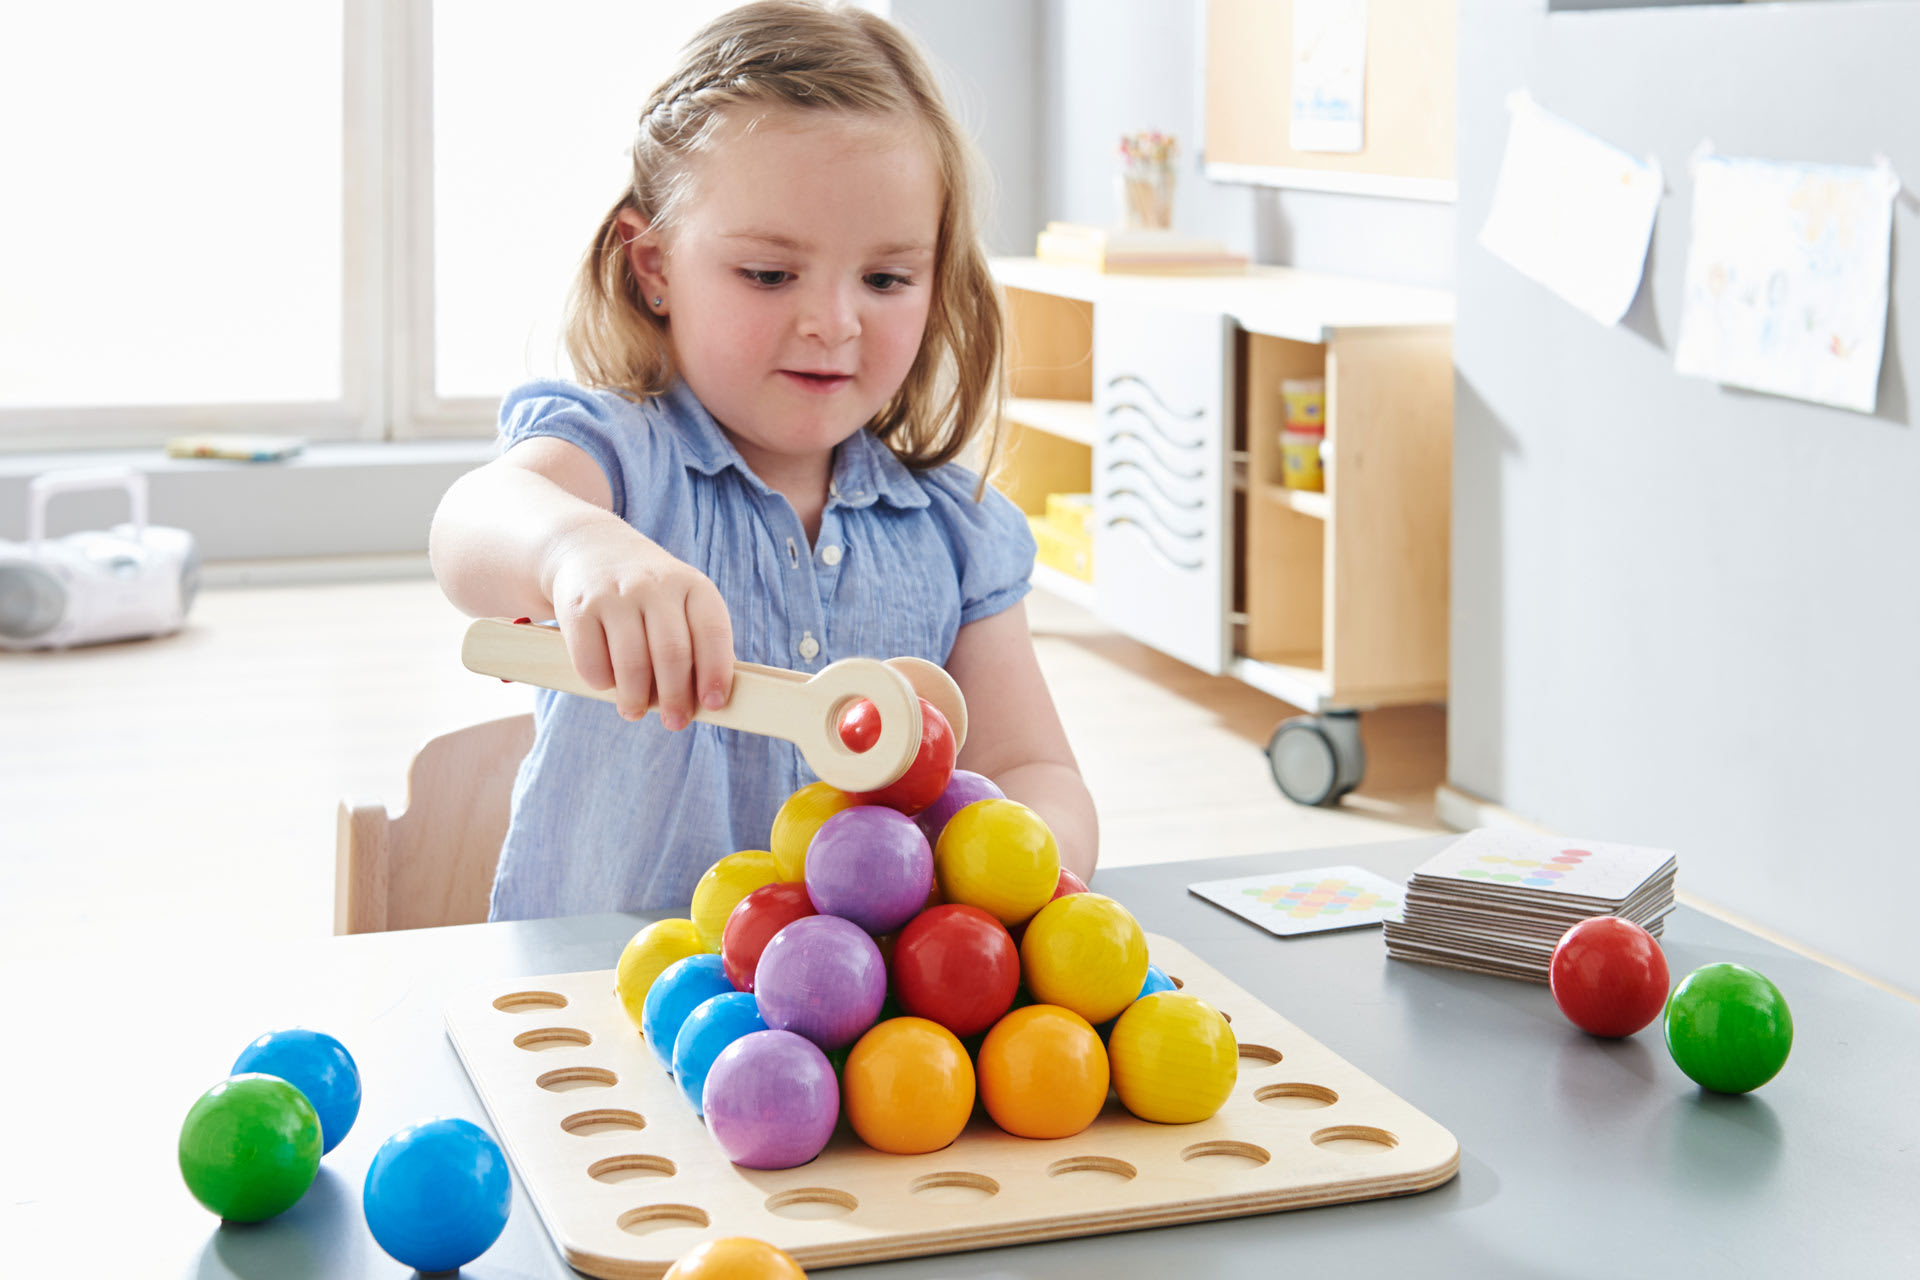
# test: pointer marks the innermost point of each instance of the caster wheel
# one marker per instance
(1318, 759)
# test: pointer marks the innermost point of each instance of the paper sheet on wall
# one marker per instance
(1787, 278)
(1572, 212)
(1329, 75)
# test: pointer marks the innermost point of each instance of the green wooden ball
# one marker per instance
(1728, 1028)
(250, 1147)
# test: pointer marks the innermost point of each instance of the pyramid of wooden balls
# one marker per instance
(895, 954)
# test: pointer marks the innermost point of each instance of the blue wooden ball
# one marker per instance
(682, 987)
(317, 1065)
(437, 1194)
(708, 1029)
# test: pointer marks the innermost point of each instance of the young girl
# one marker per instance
(786, 330)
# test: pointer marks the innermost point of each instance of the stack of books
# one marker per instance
(1135, 249)
(1498, 901)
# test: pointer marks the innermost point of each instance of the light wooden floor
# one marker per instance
(189, 783)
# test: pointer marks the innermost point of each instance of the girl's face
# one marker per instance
(797, 278)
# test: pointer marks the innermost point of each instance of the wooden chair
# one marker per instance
(432, 864)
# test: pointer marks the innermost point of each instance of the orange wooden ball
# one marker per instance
(1043, 1072)
(735, 1258)
(908, 1086)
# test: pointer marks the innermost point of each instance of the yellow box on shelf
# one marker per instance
(1071, 513)
(1069, 553)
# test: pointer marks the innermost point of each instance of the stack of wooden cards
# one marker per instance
(1497, 901)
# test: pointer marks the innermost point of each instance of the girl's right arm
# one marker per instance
(533, 534)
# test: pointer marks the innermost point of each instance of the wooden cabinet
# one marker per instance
(1160, 396)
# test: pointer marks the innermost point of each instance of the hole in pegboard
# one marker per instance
(1092, 1169)
(552, 1038)
(1296, 1095)
(530, 1001)
(1227, 1155)
(1355, 1139)
(633, 1168)
(954, 1188)
(567, 1079)
(663, 1217)
(584, 1124)
(1259, 1055)
(812, 1202)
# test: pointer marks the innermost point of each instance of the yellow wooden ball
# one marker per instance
(1174, 1058)
(726, 882)
(652, 950)
(1000, 856)
(1084, 952)
(798, 819)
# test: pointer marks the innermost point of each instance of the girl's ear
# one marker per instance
(646, 258)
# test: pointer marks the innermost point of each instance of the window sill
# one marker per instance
(332, 500)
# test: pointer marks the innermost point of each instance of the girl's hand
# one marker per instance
(638, 621)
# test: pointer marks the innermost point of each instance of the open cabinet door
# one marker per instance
(1163, 479)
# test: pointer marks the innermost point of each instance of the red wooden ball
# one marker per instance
(956, 965)
(1069, 883)
(932, 765)
(1609, 976)
(755, 919)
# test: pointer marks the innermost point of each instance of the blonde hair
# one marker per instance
(791, 53)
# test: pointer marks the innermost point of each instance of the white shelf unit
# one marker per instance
(1160, 395)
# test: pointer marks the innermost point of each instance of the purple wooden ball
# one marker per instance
(823, 978)
(962, 790)
(870, 865)
(771, 1100)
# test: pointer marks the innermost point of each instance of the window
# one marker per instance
(343, 219)
(531, 128)
(171, 240)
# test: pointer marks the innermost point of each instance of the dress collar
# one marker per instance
(864, 469)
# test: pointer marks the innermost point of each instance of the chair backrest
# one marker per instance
(431, 864)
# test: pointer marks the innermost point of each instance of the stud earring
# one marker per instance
(658, 303)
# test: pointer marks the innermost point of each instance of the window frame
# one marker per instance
(387, 298)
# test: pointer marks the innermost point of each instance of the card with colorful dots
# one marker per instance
(1311, 901)
(1523, 865)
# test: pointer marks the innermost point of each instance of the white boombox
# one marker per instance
(130, 581)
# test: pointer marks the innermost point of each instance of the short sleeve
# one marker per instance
(992, 545)
(612, 432)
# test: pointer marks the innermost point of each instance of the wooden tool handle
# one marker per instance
(804, 710)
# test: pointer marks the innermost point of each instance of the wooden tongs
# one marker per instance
(803, 709)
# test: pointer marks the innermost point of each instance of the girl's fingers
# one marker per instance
(672, 649)
(629, 646)
(587, 650)
(712, 630)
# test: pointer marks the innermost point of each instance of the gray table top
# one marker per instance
(1579, 1157)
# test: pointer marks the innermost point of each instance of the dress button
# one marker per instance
(809, 647)
(831, 555)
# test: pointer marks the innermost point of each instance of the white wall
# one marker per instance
(987, 54)
(1688, 615)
